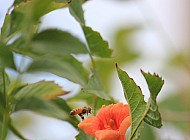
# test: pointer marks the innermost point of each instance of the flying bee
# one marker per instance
(81, 111)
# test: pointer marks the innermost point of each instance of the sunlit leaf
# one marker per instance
(155, 84)
(38, 8)
(42, 89)
(44, 107)
(75, 8)
(135, 99)
(56, 42)
(6, 57)
(67, 67)
(97, 45)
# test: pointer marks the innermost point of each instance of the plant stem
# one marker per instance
(6, 113)
(4, 87)
(16, 132)
(5, 125)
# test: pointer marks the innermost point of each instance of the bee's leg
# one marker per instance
(81, 115)
(69, 1)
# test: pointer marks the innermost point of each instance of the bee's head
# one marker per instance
(72, 113)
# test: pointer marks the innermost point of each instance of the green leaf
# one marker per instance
(75, 8)
(67, 67)
(17, 19)
(135, 99)
(6, 27)
(94, 87)
(16, 2)
(32, 11)
(56, 42)
(36, 8)
(42, 89)
(44, 107)
(6, 57)
(155, 84)
(97, 45)
(153, 115)
(138, 132)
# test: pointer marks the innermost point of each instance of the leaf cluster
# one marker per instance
(55, 51)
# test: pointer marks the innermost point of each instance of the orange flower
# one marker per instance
(111, 123)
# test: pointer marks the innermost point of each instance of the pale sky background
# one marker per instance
(165, 24)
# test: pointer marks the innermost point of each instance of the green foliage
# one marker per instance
(55, 51)
(6, 57)
(75, 8)
(138, 108)
(42, 89)
(155, 84)
(135, 99)
(97, 45)
(66, 67)
(65, 44)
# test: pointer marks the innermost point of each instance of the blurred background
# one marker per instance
(144, 34)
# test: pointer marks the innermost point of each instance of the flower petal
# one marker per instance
(107, 135)
(115, 113)
(104, 116)
(123, 113)
(125, 125)
(90, 125)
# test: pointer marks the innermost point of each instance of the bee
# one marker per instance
(81, 111)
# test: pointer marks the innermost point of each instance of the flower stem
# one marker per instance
(5, 118)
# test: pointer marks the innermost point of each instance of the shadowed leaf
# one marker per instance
(155, 84)
(6, 57)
